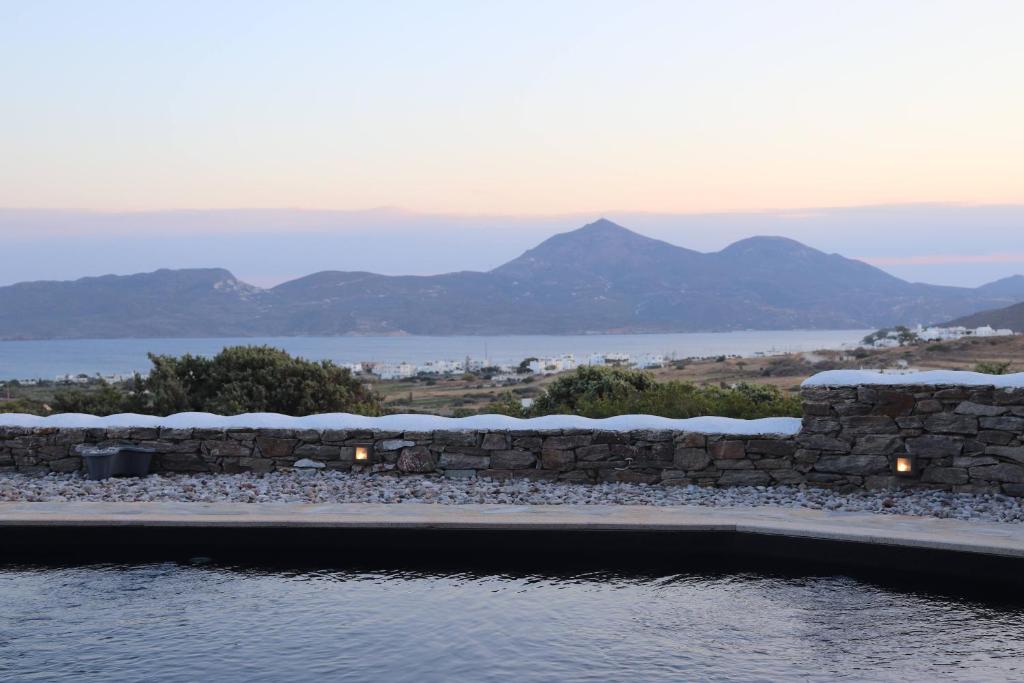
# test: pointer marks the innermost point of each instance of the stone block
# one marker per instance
(594, 452)
(876, 444)
(691, 440)
(462, 461)
(175, 434)
(275, 447)
(393, 444)
(868, 424)
(727, 450)
(495, 442)
(66, 465)
(417, 460)
(528, 443)
(852, 464)
(512, 460)
(945, 475)
(1014, 453)
(947, 423)
(928, 406)
(979, 409)
(227, 448)
(691, 459)
(1003, 472)
(1014, 425)
(821, 442)
(975, 460)
(786, 477)
(817, 408)
(931, 446)
(994, 438)
(773, 447)
(458, 438)
(608, 438)
(181, 462)
(561, 461)
(772, 463)
(318, 451)
(566, 443)
(894, 403)
(820, 425)
(745, 478)
(734, 464)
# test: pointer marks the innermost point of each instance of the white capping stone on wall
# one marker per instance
(853, 378)
(784, 426)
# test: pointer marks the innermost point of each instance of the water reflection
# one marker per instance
(187, 621)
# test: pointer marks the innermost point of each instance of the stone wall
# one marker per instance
(568, 455)
(962, 438)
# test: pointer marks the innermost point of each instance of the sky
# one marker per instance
(279, 138)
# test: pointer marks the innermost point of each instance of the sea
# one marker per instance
(48, 359)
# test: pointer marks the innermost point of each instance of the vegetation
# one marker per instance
(603, 392)
(240, 379)
(994, 368)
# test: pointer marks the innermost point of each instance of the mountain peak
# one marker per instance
(768, 244)
(603, 225)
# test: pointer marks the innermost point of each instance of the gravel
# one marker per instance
(339, 487)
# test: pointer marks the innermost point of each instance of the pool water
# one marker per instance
(200, 620)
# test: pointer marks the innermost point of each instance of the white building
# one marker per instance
(548, 366)
(440, 367)
(394, 370)
(649, 360)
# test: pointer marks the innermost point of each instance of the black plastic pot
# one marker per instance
(115, 461)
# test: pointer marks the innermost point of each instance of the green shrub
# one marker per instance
(104, 400)
(588, 385)
(994, 367)
(606, 392)
(239, 379)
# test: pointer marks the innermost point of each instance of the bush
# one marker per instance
(994, 368)
(242, 379)
(588, 385)
(239, 379)
(605, 392)
(104, 400)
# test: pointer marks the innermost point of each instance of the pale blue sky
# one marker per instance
(535, 116)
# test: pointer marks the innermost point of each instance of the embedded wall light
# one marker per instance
(904, 466)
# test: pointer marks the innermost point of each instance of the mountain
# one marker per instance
(1009, 318)
(599, 278)
(165, 303)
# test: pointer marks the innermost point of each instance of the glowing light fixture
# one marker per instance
(904, 466)
(362, 454)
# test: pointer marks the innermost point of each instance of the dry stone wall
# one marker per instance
(959, 438)
(642, 456)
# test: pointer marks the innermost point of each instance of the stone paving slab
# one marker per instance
(977, 538)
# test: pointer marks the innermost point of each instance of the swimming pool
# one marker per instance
(201, 620)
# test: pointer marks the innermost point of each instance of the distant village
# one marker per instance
(904, 336)
(508, 374)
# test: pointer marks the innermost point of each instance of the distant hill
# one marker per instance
(599, 278)
(1011, 317)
